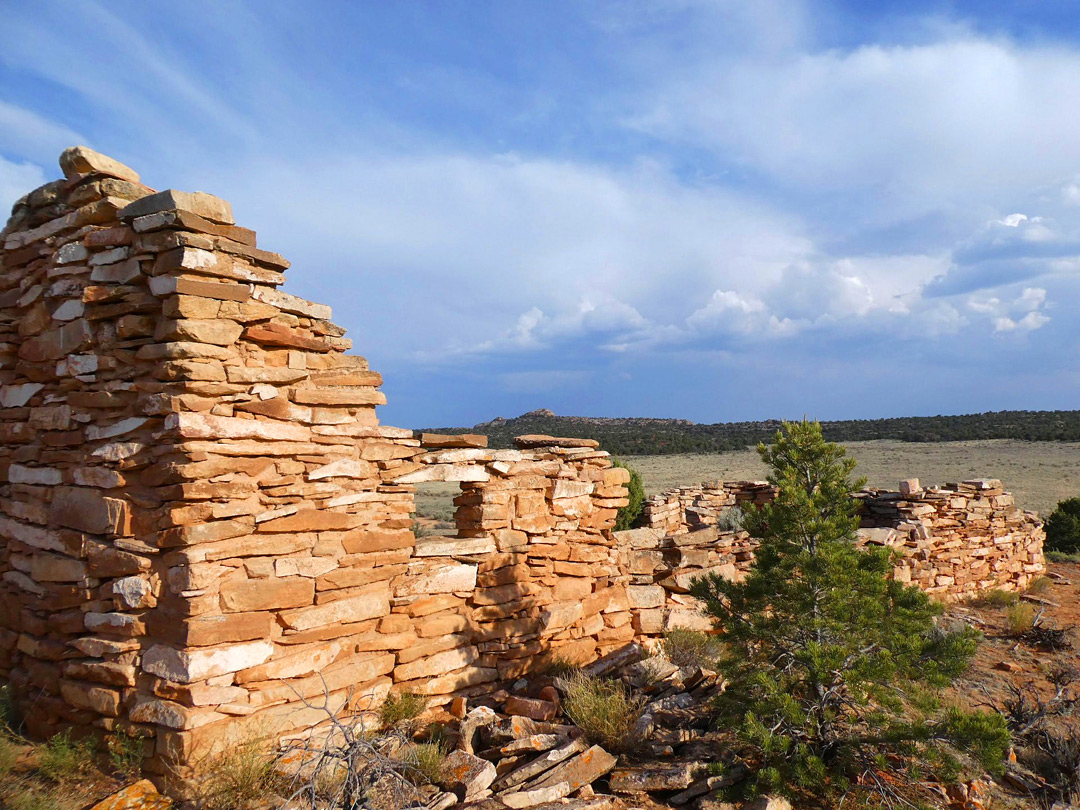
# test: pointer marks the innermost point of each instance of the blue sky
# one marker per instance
(705, 210)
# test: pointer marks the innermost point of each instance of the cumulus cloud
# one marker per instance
(917, 126)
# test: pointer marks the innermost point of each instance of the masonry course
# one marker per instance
(204, 527)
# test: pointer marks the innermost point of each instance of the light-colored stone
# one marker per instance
(189, 666)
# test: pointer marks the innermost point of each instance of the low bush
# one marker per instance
(63, 759)
(691, 648)
(401, 709)
(994, 598)
(604, 710)
(731, 520)
(1039, 585)
(1019, 618)
(429, 761)
(1063, 527)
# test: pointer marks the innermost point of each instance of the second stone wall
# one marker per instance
(953, 541)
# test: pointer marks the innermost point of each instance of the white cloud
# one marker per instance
(911, 127)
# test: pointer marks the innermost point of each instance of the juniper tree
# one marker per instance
(834, 667)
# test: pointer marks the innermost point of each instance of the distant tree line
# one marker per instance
(629, 437)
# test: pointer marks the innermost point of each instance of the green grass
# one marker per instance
(1063, 557)
(65, 760)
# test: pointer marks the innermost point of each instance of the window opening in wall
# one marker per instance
(435, 509)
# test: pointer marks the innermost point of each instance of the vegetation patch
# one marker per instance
(401, 709)
(692, 648)
(604, 709)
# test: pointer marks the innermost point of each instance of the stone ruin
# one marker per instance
(953, 541)
(204, 528)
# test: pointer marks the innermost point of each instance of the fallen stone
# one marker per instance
(542, 763)
(468, 775)
(140, 796)
(676, 776)
(541, 710)
(531, 798)
(584, 769)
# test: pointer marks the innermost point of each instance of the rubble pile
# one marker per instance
(513, 751)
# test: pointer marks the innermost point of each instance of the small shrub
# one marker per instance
(125, 753)
(1039, 585)
(401, 709)
(1063, 527)
(65, 760)
(428, 760)
(239, 776)
(1019, 618)
(994, 598)
(635, 493)
(691, 648)
(604, 710)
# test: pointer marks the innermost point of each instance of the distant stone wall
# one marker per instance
(954, 541)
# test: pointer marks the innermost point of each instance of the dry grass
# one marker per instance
(691, 648)
(1019, 618)
(604, 710)
(1039, 474)
(238, 777)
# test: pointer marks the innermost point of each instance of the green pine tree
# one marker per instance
(834, 668)
(1063, 527)
(635, 491)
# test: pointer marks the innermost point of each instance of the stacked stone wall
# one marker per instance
(953, 541)
(203, 523)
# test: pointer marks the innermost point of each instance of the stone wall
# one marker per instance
(204, 524)
(953, 541)
(204, 527)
